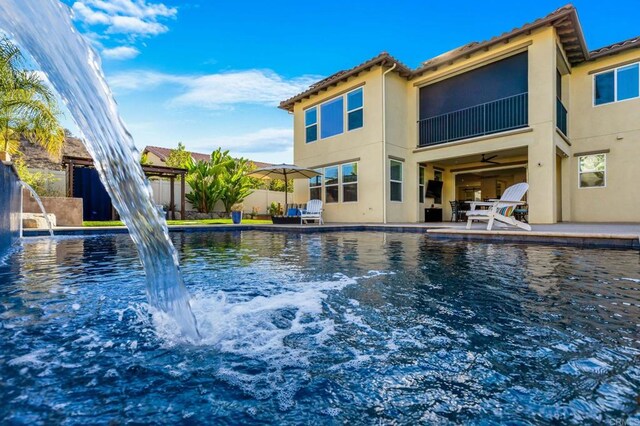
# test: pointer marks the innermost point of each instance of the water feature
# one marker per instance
(35, 195)
(43, 28)
(331, 328)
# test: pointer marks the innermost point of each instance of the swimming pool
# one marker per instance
(355, 327)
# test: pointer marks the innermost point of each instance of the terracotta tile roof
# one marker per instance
(565, 19)
(163, 153)
(632, 43)
(383, 59)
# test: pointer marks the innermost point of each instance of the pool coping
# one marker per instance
(580, 239)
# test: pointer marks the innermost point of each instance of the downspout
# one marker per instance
(384, 143)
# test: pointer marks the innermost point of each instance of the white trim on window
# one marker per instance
(580, 172)
(615, 85)
(421, 183)
(317, 124)
(325, 186)
(345, 115)
(343, 184)
(318, 186)
(349, 111)
(396, 181)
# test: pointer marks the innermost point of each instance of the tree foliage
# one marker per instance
(42, 182)
(28, 107)
(223, 178)
(144, 159)
(179, 157)
(205, 180)
(236, 184)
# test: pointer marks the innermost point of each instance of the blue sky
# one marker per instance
(210, 73)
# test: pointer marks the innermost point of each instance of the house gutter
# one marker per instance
(384, 143)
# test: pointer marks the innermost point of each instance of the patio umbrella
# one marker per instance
(284, 172)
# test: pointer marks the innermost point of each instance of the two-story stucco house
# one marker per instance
(399, 145)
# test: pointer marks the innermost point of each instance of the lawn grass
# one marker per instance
(180, 222)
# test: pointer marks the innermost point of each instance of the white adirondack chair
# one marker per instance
(312, 212)
(500, 210)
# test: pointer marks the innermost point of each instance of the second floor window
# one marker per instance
(311, 124)
(355, 109)
(332, 118)
(329, 118)
(616, 85)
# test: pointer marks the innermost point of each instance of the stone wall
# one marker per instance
(68, 211)
(9, 207)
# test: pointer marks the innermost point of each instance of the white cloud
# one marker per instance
(274, 140)
(221, 90)
(132, 17)
(133, 25)
(120, 52)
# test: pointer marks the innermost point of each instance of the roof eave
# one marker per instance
(382, 61)
(548, 21)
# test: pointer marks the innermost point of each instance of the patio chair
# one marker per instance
(501, 210)
(313, 211)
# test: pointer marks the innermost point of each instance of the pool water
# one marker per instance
(327, 328)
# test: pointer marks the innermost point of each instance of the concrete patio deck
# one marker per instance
(610, 235)
(622, 235)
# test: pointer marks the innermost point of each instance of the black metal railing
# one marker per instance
(483, 119)
(561, 117)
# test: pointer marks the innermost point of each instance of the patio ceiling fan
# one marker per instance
(488, 159)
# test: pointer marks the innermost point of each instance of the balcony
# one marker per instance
(479, 120)
(561, 117)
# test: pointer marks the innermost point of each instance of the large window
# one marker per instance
(331, 188)
(315, 187)
(421, 171)
(355, 109)
(592, 171)
(311, 124)
(349, 182)
(395, 180)
(339, 184)
(617, 85)
(330, 116)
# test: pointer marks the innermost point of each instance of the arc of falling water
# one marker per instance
(45, 30)
(39, 201)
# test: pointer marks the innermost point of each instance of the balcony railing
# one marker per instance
(479, 120)
(561, 117)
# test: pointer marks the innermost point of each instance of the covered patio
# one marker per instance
(82, 182)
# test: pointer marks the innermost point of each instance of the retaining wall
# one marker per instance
(9, 207)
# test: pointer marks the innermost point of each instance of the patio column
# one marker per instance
(182, 198)
(172, 201)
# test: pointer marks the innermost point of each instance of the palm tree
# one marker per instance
(28, 107)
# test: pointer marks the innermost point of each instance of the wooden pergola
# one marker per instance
(170, 173)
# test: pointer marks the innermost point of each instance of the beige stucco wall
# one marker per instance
(616, 127)
(538, 139)
(154, 159)
(397, 130)
(363, 145)
(551, 168)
